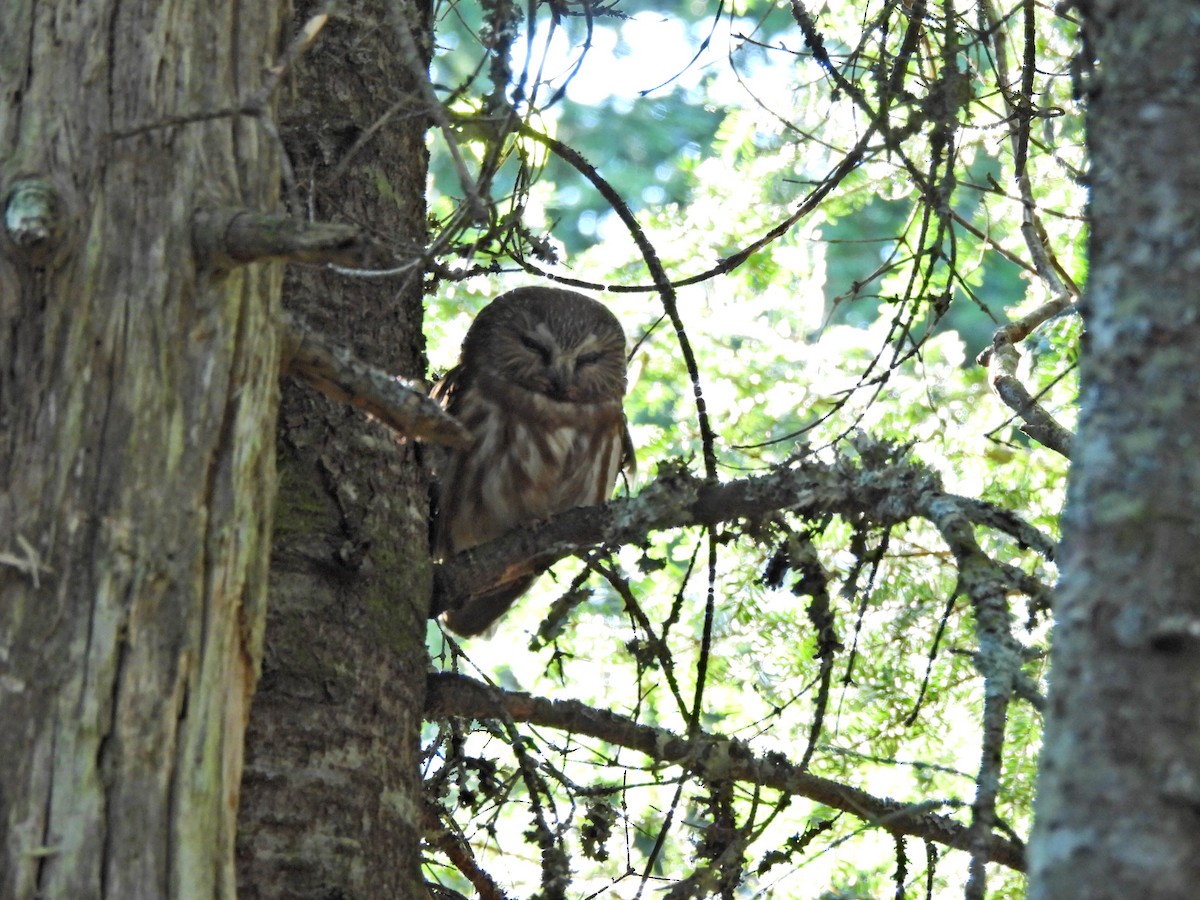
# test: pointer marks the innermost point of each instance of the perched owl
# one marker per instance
(539, 385)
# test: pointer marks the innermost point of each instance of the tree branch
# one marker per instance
(332, 370)
(709, 757)
(458, 851)
(884, 491)
(999, 659)
(1002, 357)
(1001, 360)
(227, 238)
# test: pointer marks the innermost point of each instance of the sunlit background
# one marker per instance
(714, 123)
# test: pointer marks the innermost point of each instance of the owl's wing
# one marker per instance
(446, 390)
(448, 387)
(628, 458)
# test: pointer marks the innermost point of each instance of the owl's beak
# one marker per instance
(560, 379)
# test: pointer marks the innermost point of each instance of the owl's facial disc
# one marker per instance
(559, 367)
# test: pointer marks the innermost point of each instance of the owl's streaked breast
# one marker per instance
(542, 457)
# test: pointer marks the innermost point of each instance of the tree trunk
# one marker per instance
(332, 794)
(138, 392)
(1119, 790)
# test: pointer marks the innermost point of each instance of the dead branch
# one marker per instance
(456, 849)
(227, 238)
(335, 372)
(1002, 357)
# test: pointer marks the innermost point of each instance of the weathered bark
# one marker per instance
(138, 393)
(1119, 792)
(332, 786)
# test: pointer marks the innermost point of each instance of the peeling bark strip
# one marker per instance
(137, 405)
(1119, 785)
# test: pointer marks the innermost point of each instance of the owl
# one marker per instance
(539, 385)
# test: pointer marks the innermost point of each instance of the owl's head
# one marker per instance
(550, 341)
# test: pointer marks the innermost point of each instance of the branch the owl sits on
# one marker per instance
(539, 385)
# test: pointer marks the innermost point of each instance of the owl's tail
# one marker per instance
(477, 613)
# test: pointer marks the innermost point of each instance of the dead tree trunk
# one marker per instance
(1119, 787)
(138, 393)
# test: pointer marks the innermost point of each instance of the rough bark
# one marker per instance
(138, 392)
(1119, 792)
(332, 786)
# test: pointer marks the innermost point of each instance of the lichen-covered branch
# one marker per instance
(885, 491)
(707, 756)
(999, 659)
(1002, 359)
